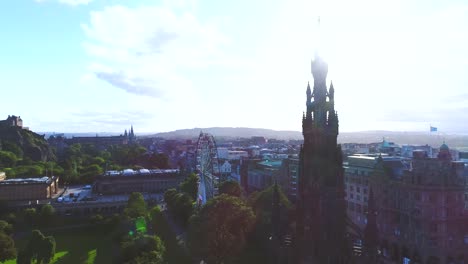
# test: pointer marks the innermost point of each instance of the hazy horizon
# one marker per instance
(94, 65)
(254, 128)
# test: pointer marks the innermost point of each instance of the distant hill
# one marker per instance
(229, 132)
(414, 138)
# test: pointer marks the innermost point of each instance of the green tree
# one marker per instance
(7, 159)
(179, 204)
(30, 216)
(5, 227)
(218, 233)
(157, 160)
(136, 206)
(169, 197)
(90, 172)
(230, 188)
(98, 160)
(7, 247)
(29, 170)
(12, 147)
(143, 249)
(47, 214)
(183, 207)
(258, 249)
(39, 248)
(261, 203)
(190, 185)
(46, 250)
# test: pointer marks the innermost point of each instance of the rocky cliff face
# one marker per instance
(25, 143)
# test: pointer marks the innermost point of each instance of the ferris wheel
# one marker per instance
(207, 167)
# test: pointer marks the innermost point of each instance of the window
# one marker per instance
(365, 199)
(358, 197)
(358, 189)
(448, 199)
(364, 190)
(465, 239)
(351, 188)
(351, 195)
(432, 242)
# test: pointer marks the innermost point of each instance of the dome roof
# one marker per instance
(444, 147)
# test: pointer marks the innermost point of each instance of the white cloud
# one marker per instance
(69, 2)
(149, 49)
(380, 57)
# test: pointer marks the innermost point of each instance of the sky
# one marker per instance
(103, 65)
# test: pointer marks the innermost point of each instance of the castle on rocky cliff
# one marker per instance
(12, 121)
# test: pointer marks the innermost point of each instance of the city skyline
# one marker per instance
(99, 66)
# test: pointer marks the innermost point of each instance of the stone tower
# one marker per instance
(321, 212)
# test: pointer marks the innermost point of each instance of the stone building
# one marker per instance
(128, 181)
(28, 188)
(289, 177)
(421, 210)
(12, 121)
(358, 172)
(101, 142)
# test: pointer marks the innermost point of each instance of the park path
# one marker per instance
(179, 232)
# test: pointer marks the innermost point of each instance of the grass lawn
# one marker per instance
(79, 247)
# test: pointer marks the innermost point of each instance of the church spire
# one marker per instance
(131, 136)
(321, 210)
(331, 92)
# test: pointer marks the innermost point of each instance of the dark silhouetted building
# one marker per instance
(321, 211)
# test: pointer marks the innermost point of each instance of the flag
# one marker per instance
(433, 129)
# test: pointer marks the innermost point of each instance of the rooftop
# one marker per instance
(271, 163)
(130, 172)
(26, 180)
